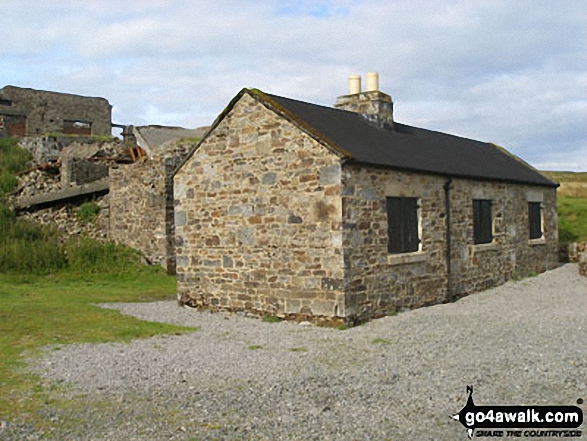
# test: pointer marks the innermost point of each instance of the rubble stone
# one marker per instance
(64, 218)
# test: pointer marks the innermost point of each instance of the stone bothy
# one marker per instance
(30, 112)
(300, 210)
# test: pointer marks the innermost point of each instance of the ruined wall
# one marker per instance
(82, 171)
(378, 282)
(140, 196)
(12, 125)
(52, 112)
(258, 219)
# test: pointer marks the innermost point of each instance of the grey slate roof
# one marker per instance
(154, 139)
(403, 148)
(408, 148)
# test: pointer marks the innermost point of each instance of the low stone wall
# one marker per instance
(570, 252)
(583, 264)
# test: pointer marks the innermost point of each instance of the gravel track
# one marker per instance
(398, 377)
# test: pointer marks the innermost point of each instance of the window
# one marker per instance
(482, 223)
(402, 225)
(535, 220)
(77, 127)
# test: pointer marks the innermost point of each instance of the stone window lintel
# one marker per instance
(480, 247)
(405, 258)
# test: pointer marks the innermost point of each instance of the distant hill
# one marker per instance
(572, 184)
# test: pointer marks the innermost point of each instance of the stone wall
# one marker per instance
(82, 171)
(258, 219)
(48, 148)
(52, 112)
(583, 263)
(570, 252)
(140, 205)
(379, 283)
(12, 125)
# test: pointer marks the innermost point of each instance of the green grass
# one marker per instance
(88, 211)
(12, 160)
(297, 349)
(48, 288)
(59, 309)
(572, 219)
(271, 319)
(380, 341)
(255, 347)
(572, 205)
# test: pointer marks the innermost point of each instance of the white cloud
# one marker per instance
(509, 72)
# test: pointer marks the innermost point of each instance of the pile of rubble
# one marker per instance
(65, 218)
(78, 163)
(37, 181)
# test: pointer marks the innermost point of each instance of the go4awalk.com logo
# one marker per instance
(520, 421)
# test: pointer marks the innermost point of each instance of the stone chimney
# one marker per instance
(374, 105)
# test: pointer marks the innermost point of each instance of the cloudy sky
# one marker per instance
(512, 72)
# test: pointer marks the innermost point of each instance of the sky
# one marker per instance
(509, 72)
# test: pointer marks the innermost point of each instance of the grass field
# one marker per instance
(572, 204)
(58, 309)
(572, 219)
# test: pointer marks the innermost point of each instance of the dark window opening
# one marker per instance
(535, 220)
(482, 223)
(402, 225)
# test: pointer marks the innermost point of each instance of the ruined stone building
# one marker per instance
(30, 112)
(291, 208)
(141, 194)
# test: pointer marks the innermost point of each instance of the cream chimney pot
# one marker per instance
(372, 82)
(372, 104)
(354, 84)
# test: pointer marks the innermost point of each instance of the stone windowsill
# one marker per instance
(401, 259)
(539, 241)
(491, 246)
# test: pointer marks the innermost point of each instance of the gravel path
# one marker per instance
(397, 378)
